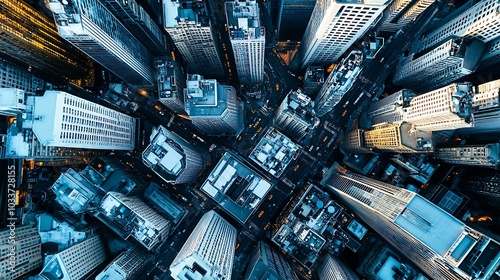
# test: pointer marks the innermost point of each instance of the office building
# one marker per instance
(171, 83)
(293, 17)
(338, 83)
(26, 251)
(208, 253)
(189, 25)
(476, 155)
(483, 184)
(125, 265)
(135, 19)
(274, 152)
(267, 263)
(171, 157)
(448, 62)
(163, 202)
(58, 126)
(296, 116)
(491, 56)
(40, 46)
(439, 244)
(402, 12)
(475, 19)
(334, 27)
(12, 101)
(235, 187)
(333, 269)
(15, 76)
(212, 107)
(130, 216)
(248, 39)
(399, 138)
(390, 109)
(92, 28)
(487, 102)
(76, 261)
(314, 78)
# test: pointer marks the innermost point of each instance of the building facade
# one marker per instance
(14, 76)
(40, 46)
(334, 27)
(478, 155)
(171, 83)
(75, 262)
(136, 20)
(293, 17)
(314, 78)
(189, 25)
(248, 39)
(212, 107)
(438, 243)
(338, 83)
(390, 109)
(267, 263)
(402, 12)
(399, 137)
(333, 269)
(448, 62)
(171, 157)
(130, 216)
(92, 28)
(208, 253)
(125, 265)
(27, 252)
(296, 116)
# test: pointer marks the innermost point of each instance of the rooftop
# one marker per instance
(236, 188)
(184, 11)
(243, 20)
(205, 97)
(274, 152)
(314, 74)
(162, 201)
(74, 192)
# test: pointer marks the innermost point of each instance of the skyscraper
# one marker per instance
(399, 137)
(26, 251)
(338, 82)
(12, 101)
(92, 28)
(59, 125)
(75, 262)
(171, 83)
(439, 244)
(473, 155)
(40, 46)
(448, 62)
(334, 27)
(125, 265)
(189, 25)
(390, 109)
(267, 263)
(212, 107)
(136, 20)
(130, 216)
(14, 76)
(482, 183)
(334, 269)
(248, 39)
(293, 17)
(314, 78)
(208, 252)
(295, 116)
(402, 12)
(491, 55)
(174, 159)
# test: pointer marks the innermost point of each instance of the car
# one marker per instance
(261, 213)
(296, 167)
(343, 114)
(326, 138)
(277, 86)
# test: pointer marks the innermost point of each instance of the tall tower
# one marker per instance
(92, 28)
(483, 183)
(477, 155)
(402, 12)
(438, 243)
(295, 116)
(398, 137)
(171, 83)
(136, 20)
(25, 248)
(40, 46)
(248, 39)
(212, 107)
(334, 27)
(125, 265)
(448, 62)
(75, 262)
(391, 108)
(174, 159)
(208, 253)
(14, 76)
(188, 23)
(293, 17)
(334, 269)
(59, 125)
(267, 263)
